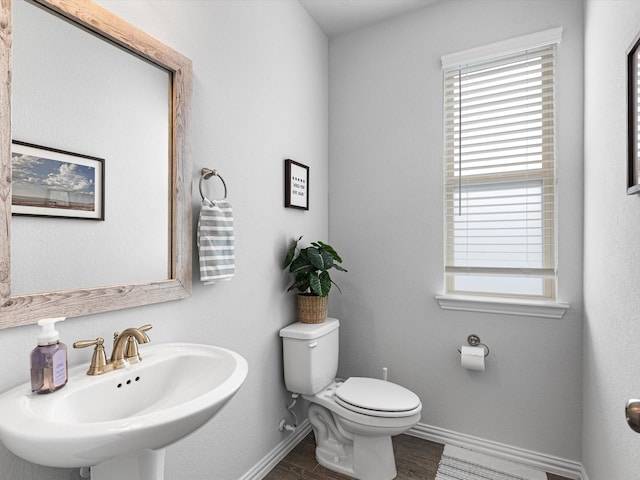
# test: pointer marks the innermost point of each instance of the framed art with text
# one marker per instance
(296, 185)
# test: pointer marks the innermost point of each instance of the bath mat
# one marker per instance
(461, 464)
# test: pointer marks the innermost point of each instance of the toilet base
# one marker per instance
(364, 457)
(373, 457)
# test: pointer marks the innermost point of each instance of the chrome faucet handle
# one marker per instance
(99, 358)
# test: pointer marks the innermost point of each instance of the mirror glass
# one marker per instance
(91, 87)
(75, 92)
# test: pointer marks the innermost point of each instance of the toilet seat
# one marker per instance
(377, 398)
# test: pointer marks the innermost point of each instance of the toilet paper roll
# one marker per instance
(472, 358)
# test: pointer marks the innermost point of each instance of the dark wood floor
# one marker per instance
(416, 459)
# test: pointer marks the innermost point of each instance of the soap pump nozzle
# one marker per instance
(49, 335)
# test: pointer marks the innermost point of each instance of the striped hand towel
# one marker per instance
(216, 241)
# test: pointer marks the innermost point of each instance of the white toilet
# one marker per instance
(352, 420)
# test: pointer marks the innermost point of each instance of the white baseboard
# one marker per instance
(583, 473)
(271, 459)
(541, 461)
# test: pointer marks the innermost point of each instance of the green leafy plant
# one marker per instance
(310, 267)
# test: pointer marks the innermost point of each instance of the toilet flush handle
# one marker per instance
(313, 344)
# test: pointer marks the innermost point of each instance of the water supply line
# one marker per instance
(283, 425)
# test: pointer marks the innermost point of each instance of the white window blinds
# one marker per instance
(500, 232)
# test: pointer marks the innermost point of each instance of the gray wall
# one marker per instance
(611, 253)
(385, 197)
(260, 96)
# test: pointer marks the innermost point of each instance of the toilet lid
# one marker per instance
(377, 397)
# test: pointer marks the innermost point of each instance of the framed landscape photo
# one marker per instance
(48, 182)
(296, 185)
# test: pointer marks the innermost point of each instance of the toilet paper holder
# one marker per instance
(474, 341)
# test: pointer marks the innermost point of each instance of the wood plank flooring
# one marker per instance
(416, 459)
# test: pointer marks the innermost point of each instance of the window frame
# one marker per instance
(546, 304)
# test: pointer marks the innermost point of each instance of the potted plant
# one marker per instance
(310, 267)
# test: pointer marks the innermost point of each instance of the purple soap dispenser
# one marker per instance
(49, 369)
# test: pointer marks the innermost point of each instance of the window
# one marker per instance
(500, 200)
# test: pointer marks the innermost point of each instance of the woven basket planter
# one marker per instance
(312, 308)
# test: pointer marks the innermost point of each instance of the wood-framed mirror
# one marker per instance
(26, 308)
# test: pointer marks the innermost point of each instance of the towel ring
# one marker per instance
(206, 174)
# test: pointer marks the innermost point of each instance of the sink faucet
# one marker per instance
(125, 350)
(125, 346)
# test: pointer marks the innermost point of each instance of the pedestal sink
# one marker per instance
(120, 422)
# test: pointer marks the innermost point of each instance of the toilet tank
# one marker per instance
(310, 355)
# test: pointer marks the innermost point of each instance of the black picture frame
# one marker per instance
(633, 113)
(48, 182)
(296, 185)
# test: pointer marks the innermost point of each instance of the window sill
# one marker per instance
(527, 308)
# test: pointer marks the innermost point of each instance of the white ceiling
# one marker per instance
(340, 16)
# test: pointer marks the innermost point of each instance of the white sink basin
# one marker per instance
(94, 419)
